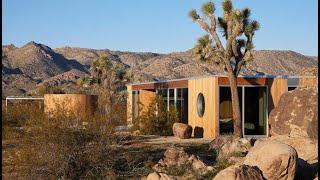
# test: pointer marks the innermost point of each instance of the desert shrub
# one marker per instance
(46, 89)
(60, 147)
(157, 120)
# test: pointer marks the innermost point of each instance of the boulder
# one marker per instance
(242, 172)
(307, 150)
(159, 176)
(237, 147)
(296, 114)
(276, 160)
(182, 131)
(219, 141)
(176, 159)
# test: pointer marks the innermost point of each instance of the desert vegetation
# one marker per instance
(157, 119)
(38, 147)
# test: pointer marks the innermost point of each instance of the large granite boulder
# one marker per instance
(276, 160)
(182, 131)
(242, 172)
(296, 114)
(307, 150)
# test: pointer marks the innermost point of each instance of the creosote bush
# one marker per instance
(156, 119)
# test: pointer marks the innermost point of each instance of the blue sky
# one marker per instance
(144, 25)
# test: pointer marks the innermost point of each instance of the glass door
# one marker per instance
(225, 109)
(255, 111)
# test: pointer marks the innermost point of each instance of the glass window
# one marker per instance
(184, 106)
(200, 105)
(171, 97)
(179, 99)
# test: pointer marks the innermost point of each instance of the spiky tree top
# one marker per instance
(238, 30)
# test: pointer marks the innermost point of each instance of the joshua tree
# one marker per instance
(108, 81)
(238, 30)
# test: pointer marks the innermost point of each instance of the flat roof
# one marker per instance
(208, 76)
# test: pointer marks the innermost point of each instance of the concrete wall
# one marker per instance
(79, 105)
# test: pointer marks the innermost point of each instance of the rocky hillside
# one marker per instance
(29, 66)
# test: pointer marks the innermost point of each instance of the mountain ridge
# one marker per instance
(35, 63)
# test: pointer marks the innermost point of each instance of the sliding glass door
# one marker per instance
(255, 111)
(225, 110)
(253, 107)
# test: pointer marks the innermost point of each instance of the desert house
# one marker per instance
(205, 102)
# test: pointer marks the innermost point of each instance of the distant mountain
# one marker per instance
(31, 65)
(23, 68)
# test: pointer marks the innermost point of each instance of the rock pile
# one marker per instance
(176, 159)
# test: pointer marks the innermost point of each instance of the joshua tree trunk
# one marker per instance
(235, 106)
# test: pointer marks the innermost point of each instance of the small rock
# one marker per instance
(136, 133)
(182, 131)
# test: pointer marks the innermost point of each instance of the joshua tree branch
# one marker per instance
(213, 32)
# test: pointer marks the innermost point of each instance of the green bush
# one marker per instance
(157, 120)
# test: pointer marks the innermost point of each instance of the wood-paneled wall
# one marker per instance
(129, 105)
(145, 98)
(79, 105)
(209, 122)
(308, 82)
(277, 87)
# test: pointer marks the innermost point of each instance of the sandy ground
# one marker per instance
(175, 140)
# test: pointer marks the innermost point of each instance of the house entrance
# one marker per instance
(253, 107)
